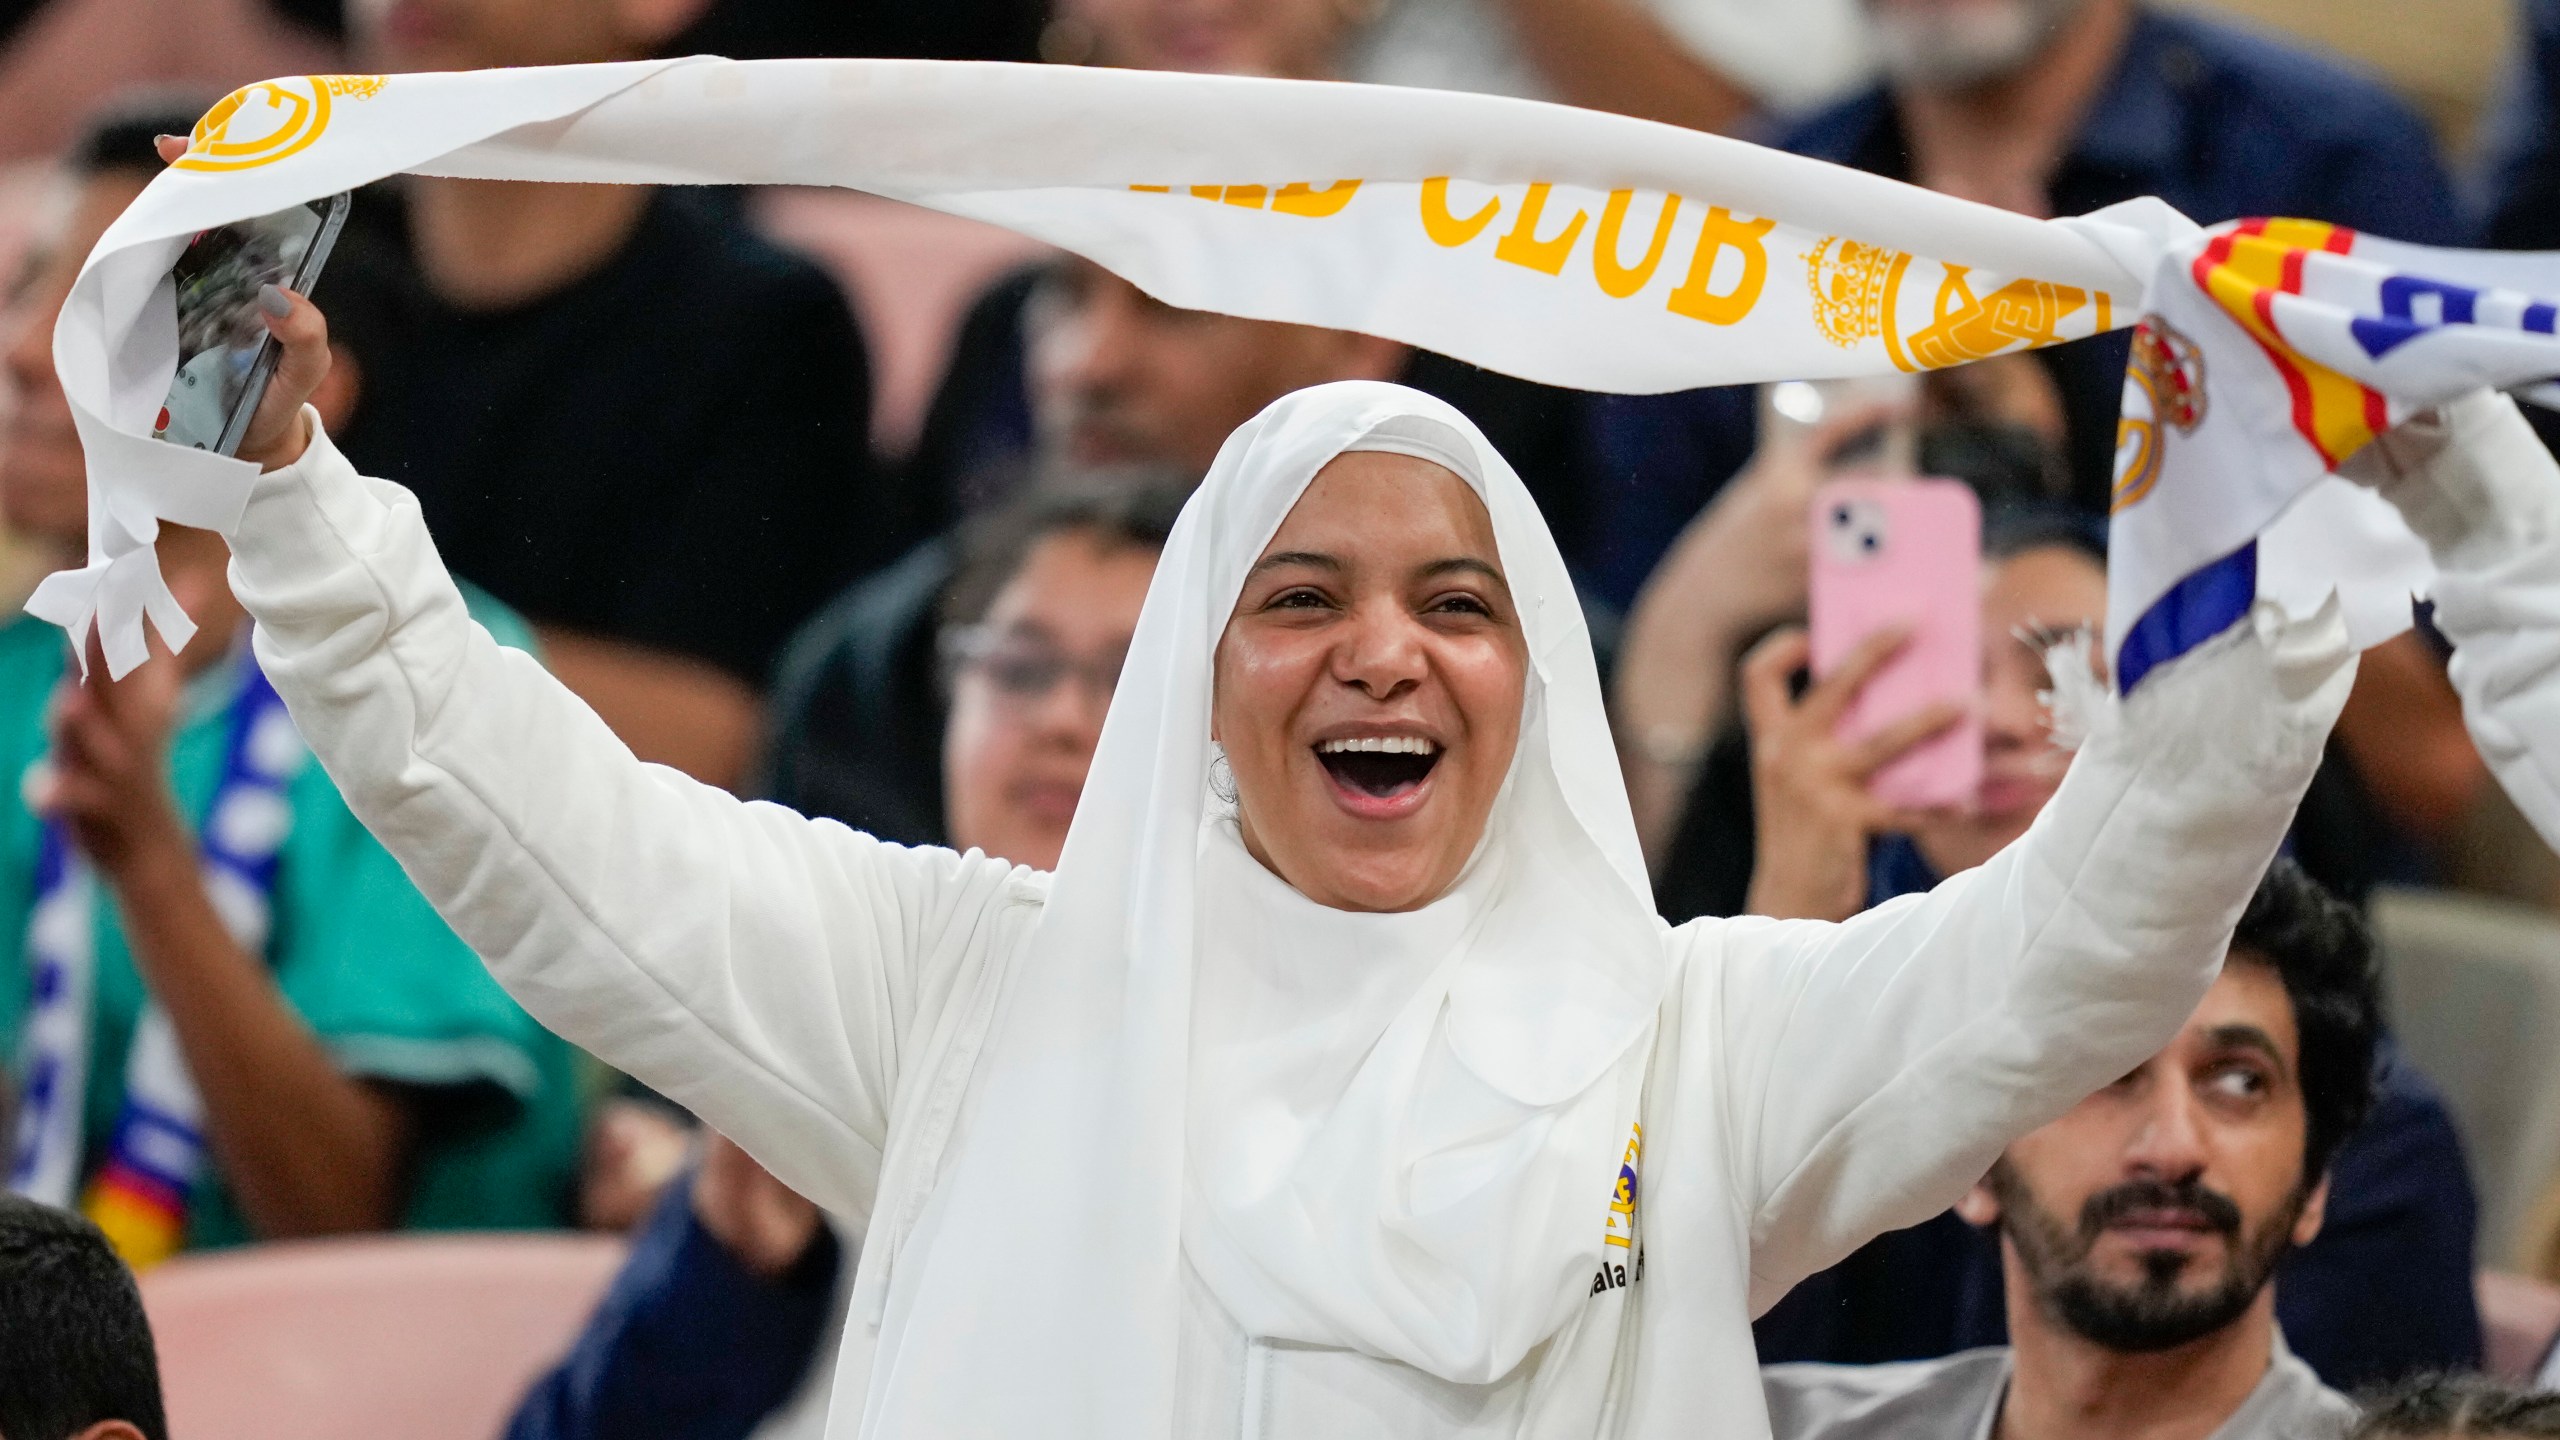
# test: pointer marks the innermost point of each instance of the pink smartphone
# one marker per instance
(1907, 554)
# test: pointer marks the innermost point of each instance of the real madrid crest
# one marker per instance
(260, 124)
(2164, 386)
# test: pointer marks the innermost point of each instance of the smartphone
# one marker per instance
(225, 354)
(1801, 406)
(1906, 554)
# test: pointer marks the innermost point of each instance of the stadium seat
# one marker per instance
(2473, 991)
(912, 274)
(2519, 1323)
(409, 1337)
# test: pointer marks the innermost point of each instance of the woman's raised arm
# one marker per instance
(1875, 1068)
(759, 967)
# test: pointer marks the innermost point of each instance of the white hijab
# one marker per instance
(1397, 1134)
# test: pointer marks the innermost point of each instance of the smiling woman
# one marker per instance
(1369, 684)
(1362, 1097)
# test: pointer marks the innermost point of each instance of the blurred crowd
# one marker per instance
(851, 506)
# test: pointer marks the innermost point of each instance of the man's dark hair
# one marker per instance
(2011, 530)
(75, 1347)
(2459, 1407)
(1135, 507)
(2319, 946)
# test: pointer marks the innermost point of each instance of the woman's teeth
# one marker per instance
(1379, 765)
(1378, 745)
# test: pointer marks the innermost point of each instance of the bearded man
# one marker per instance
(2140, 1232)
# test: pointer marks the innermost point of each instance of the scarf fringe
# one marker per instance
(2079, 702)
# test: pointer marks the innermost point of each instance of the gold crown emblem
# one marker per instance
(1849, 280)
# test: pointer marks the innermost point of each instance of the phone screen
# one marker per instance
(222, 344)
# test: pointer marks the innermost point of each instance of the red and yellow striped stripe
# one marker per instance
(2243, 271)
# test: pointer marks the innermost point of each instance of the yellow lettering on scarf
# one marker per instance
(1300, 198)
(1295, 198)
(1620, 281)
(1720, 232)
(1447, 229)
(1522, 246)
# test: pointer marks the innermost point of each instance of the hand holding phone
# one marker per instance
(225, 353)
(1905, 555)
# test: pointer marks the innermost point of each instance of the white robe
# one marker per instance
(822, 997)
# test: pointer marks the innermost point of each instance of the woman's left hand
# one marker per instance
(278, 432)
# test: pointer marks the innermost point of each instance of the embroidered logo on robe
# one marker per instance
(1616, 1272)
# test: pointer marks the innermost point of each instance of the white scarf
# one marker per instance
(1558, 245)
(1394, 1133)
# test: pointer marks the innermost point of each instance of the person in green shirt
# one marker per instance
(357, 1069)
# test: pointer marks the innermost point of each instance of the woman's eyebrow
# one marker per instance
(1463, 565)
(1311, 558)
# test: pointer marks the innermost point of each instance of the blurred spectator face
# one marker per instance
(2045, 592)
(2153, 1213)
(43, 485)
(1954, 44)
(1294, 39)
(1029, 691)
(1120, 378)
(410, 35)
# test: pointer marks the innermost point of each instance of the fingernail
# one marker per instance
(156, 139)
(274, 301)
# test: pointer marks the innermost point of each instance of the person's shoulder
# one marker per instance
(2286, 84)
(1916, 1399)
(2292, 1401)
(32, 652)
(1834, 132)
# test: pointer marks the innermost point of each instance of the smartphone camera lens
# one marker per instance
(1856, 530)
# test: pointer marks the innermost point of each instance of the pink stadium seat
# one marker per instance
(414, 1337)
(2519, 1323)
(912, 273)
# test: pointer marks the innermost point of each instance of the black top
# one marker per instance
(2523, 151)
(672, 451)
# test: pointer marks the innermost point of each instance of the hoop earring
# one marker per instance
(1222, 778)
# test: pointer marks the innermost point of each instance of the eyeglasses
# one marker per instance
(1025, 668)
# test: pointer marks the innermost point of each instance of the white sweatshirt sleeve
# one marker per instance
(761, 968)
(1873, 1070)
(2477, 485)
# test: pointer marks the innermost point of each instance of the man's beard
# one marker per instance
(2151, 1314)
(1966, 45)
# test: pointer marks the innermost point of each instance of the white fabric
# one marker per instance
(2277, 350)
(1559, 245)
(1401, 1127)
(829, 1000)
(1469, 224)
(2478, 486)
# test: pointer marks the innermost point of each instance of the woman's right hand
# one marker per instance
(1736, 569)
(278, 432)
(1813, 815)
